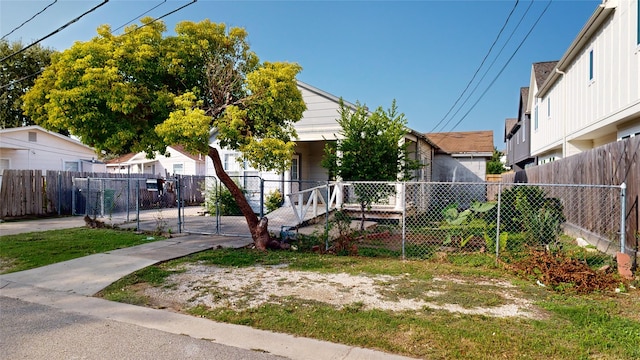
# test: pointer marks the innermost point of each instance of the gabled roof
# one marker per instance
(465, 142)
(41, 129)
(141, 155)
(121, 159)
(509, 126)
(524, 97)
(181, 150)
(542, 70)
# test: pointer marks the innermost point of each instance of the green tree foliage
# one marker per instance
(495, 165)
(17, 76)
(371, 148)
(140, 91)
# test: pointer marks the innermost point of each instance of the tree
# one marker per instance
(495, 165)
(140, 91)
(371, 148)
(17, 76)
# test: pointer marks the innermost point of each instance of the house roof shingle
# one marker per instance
(509, 124)
(464, 142)
(542, 70)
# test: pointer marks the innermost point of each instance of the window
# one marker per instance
(294, 169)
(33, 136)
(548, 107)
(178, 169)
(71, 166)
(524, 127)
(228, 161)
(591, 65)
(535, 117)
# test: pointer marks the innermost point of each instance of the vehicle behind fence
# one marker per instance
(405, 219)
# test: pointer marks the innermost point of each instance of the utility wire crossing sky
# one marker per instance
(451, 65)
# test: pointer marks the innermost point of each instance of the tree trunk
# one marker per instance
(258, 229)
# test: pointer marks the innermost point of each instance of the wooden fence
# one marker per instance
(27, 193)
(610, 164)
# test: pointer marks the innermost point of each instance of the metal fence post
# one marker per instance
(87, 197)
(179, 196)
(128, 194)
(498, 222)
(59, 207)
(404, 218)
(261, 197)
(623, 215)
(138, 205)
(326, 217)
(73, 196)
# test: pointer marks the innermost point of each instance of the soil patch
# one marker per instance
(243, 288)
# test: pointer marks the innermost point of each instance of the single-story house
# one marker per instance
(317, 127)
(35, 148)
(461, 156)
(177, 161)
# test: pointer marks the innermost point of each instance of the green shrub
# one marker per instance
(274, 200)
(219, 197)
(513, 220)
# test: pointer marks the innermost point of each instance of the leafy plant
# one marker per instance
(542, 226)
(512, 219)
(219, 200)
(458, 224)
(345, 243)
(274, 200)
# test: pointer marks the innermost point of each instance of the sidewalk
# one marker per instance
(69, 285)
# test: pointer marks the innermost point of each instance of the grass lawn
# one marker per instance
(26, 251)
(594, 326)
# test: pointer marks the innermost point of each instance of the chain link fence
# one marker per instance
(410, 220)
(423, 220)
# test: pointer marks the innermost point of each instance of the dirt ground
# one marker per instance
(242, 288)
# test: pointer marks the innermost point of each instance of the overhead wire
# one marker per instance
(21, 79)
(139, 16)
(28, 20)
(76, 19)
(54, 32)
(161, 17)
(479, 67)
(490, 66)
(503, 67)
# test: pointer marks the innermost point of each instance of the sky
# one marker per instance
(423, 54)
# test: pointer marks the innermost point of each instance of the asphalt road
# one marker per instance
(34, 331)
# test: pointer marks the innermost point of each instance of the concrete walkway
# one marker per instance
(68, 286)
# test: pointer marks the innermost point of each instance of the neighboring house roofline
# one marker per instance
(478, 143)
(510, 127)
(602, 12)
(325, 94)
(40, 128)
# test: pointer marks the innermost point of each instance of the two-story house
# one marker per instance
(517, 133)
(592, 95)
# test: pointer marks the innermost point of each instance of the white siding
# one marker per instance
(590, 113)
(319, 121)
(49, 151)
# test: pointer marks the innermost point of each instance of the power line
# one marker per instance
(31, 18)
(21, 79)
(479, 67)
(139, 16)
(54, 32)
(503, 67)
(29, 76)
(165, 15)
(490, 67)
